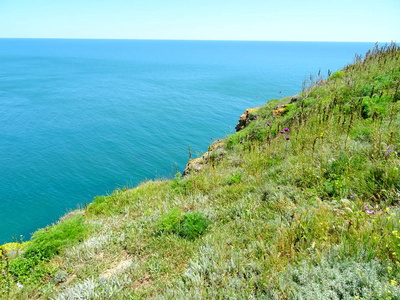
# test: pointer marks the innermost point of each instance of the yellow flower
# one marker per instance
(393, 282)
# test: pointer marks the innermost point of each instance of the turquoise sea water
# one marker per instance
(80, 118)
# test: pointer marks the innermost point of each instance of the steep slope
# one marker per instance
(301, 203)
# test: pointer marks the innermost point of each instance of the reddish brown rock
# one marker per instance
(244, 119)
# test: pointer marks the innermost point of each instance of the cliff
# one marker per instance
(302, 202)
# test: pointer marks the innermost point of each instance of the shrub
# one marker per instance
(193, 225)
(188, 225)
(49, 241)
(28, 269)
(333, 279)
(21, 267)
(234, 179)
(92, 288)
(46, 243)
(170, 222)
(60, 276)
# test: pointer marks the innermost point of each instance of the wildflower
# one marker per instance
(268, 124)
(4, 273)
(20, 286)
(282, 131)
(368, 209)
(389, 150)
(352, 196)
(286, 129)
(287, 138)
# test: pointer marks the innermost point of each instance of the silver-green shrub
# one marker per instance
(211, 276)
(92, 289)
(333, 279)
(88, 248)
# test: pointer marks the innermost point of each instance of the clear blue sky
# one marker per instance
(278, 20)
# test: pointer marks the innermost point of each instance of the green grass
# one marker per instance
(315, 216)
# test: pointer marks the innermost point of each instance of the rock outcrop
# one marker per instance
(296, 98)
(214, 153)
(279, 111)
(245, 118)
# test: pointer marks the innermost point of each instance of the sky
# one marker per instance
(260, 20)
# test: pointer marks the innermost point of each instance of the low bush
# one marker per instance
(234, 178)
(332, 279)
(193, 225)
(46, 243)
(171, 222)
(188, 225)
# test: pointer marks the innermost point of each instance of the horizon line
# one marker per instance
(205, 40)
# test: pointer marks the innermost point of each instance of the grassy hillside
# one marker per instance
(302, 203)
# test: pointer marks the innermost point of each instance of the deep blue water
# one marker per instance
(80, 118)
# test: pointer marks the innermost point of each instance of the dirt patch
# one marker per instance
(120, 268)
(142, 283)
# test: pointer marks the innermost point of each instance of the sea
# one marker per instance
(81, 118)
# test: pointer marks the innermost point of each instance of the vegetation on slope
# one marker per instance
(300, 204)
